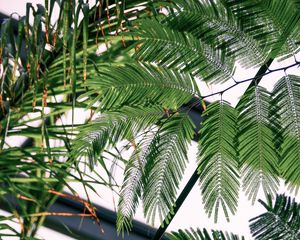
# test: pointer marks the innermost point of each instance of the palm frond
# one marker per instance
(287, 97)
(112, 127)
(167, 157)
(217, 26)
(198, 234)
(218, 164)
(134, 84)
(281, 18)
(132, 186)
(281, 221)
(258, 157)
(164, 46)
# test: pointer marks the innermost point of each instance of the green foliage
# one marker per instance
(33, 101)
(155, 170)
(166, 164)
(112, 127)
(281, 221)
(218, 164)
(133, 182)
(138, 85)
(202, 235)
(164, 46)
(287, 97)
(278, 19)
(257, 152)
(216, 25)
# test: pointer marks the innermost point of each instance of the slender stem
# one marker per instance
(48, 180)
(254, 79)
(185, 192)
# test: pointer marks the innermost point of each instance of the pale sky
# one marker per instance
(191, 213)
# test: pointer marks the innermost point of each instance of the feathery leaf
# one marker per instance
(167, 157)
(281, 19)
(132, 186)
(112, 127)
(216, 25)
(134, 84)
(218, 173)
(258, 157)
(280, 222)
(198, 234)
(164, 46)
(287, 97)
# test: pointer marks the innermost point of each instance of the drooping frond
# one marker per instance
(218, 163)
(281, 221)
(134, 84)
(287, 97)
(281, 19)
(132, 186)
(198, 234)
(112, 127)
(164, 46)
(216, 25)
(167, 157)
(258, 157)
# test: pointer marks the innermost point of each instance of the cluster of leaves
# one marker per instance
(203, 40)
(281, 221)
(251, 142)
(35, 93)
(199, 234)
(155, 54)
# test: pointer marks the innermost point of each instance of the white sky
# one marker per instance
(191, 213)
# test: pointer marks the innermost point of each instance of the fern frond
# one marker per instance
(167, 157)
(287, 97)
(133, 182)
(136, 84)
(218, 165)
(216, 25)
(198, 234)
(258, 157)
(281, 20)
(164, 46)
(112, 127)
(281, 221)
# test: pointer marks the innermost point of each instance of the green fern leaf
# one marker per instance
(135, 84)
(112, 127)
(217, 26)
(163, 171)
(218, 165)
(198, 234)
(287, 97)
(280, 222)
(258, 156)
(281, 20)
(180, 50)
(133, 182)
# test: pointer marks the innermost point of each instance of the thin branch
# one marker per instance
(251, 79)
